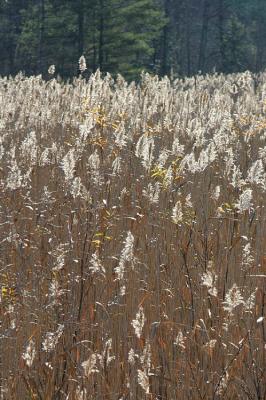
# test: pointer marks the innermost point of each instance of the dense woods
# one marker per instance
(174, 37)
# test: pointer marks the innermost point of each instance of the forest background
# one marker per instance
(173, 37)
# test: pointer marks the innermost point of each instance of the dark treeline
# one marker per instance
(175, 37)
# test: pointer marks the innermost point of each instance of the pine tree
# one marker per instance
(143, 23)
(126, 32)
(10, 30)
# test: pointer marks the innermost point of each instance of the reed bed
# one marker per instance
(132, 238)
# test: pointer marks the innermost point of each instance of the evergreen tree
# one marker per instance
(123, 36)
(10, 30)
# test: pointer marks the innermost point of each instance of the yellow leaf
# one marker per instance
(108, 237)
(97, 242)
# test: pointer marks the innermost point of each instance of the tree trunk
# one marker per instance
(94, 46)
(165, 41)
(41, 34)
(188, 34)
(80, 28)
(101, 34)
(204, 35)
(221, 19)
(259, 38)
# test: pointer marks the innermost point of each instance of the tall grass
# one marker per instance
(132, 233)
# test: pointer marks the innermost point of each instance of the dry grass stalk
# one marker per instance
(132, 231)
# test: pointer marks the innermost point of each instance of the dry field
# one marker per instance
(132, 238)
